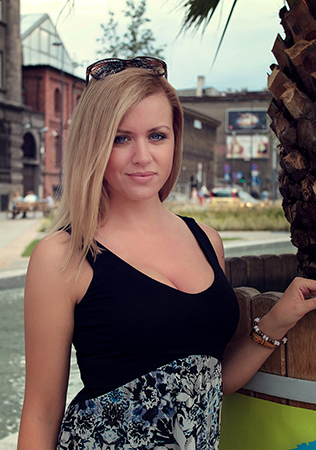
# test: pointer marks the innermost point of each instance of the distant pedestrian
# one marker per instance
(17, 198)
(31, 198)
(50, 203)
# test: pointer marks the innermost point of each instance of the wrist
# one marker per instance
(263, 339)
(268, 327)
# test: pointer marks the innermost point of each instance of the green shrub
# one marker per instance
(28, 250)
(46, 223)
(269, 218)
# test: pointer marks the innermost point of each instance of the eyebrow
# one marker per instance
(119, 130)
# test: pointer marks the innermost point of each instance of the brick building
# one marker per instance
(42, 91)
(48, 87)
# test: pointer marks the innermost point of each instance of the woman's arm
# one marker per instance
(243, 358)
(50, 298)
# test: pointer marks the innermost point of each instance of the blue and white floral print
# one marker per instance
(174, 407)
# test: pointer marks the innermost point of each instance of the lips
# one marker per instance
(141, 177)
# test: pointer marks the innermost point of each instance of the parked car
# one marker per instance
(227, 196)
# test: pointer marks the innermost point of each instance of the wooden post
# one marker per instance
(273, 273)
(244, 296)
(255, 272)
(289, 262)
(238, 272)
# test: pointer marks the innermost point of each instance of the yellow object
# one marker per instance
(250, 423)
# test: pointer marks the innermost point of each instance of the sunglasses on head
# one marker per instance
(109, 66)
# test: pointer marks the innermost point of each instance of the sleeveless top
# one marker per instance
(129, 324)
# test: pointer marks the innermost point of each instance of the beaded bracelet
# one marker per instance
(261, 339)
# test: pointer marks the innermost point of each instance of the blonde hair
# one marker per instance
(104, 103)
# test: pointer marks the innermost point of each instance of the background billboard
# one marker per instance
(244, 120)
(247, 147)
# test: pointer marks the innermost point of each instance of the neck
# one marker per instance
(143, 214)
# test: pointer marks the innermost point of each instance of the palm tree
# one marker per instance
(292, 110)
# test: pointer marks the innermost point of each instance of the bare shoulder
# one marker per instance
(217, 243)
(46, 268)
(58, 241)
(51, 251)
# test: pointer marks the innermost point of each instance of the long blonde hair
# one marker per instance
(104, 103)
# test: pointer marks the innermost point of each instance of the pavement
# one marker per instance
(242, 243)
(16, 234)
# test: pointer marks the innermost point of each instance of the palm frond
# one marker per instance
(223, 34)
(199, 11)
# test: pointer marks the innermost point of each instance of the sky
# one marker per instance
(243, 61)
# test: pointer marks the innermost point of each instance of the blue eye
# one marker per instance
(158, 136)
(120, 139)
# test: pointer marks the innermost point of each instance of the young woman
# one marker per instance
(140, 292)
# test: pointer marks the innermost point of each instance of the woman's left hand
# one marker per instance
(244, 357)
(297, 300)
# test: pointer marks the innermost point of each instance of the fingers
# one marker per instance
(298, 299)
(304, 287)
(301, 296)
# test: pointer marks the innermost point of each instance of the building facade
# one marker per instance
(11, 109)
(199, 140)
(246, 148)
(55, 94)
(20, 128)
(50, 88)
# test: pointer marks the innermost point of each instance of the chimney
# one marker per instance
(200, 85)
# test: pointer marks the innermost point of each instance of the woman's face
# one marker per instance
(142, 154)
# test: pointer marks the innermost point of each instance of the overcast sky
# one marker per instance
(243, 61)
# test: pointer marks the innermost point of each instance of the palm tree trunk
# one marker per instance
(293, 113)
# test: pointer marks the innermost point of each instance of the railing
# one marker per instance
(264, 273)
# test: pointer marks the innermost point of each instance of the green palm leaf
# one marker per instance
(201, 11)
(198, 12)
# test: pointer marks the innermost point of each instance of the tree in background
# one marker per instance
(135, 42)
(293, 114)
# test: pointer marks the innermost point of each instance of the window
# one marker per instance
(1, 10)
(57, 100)
(23, 95)
(57, 151)
(4, 152)
(197, 124)
(44, 41)
(29, 146)
(4, 199)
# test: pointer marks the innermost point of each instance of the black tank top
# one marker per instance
(129, 324)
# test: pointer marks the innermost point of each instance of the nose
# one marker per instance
(141, 153)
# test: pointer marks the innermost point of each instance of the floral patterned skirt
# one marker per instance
(174, 407)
